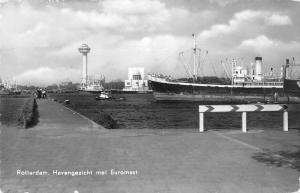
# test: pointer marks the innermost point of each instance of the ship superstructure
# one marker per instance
(255, 77)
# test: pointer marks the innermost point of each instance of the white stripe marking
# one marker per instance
(271, 107)
(202, 108)
(244, 108)
(222, 108)
(238, 141)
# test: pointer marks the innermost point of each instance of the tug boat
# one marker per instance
(106, 95)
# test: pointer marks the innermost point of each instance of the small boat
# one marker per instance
(106, 95)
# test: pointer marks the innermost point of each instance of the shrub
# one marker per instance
(29, 115)
(106, 121)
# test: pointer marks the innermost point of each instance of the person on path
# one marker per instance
(39, 93)
(44, 94)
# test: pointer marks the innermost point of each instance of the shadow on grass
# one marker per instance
(289, 159)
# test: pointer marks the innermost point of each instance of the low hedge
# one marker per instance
(106, 121)
(29, 115)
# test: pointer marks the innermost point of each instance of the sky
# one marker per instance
(39, 39)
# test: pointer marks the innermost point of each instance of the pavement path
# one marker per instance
(160, 161)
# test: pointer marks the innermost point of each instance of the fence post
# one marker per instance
(285, 121)
(244, 122)
(201, 122)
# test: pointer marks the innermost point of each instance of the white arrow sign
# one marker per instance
(240, 108)
(244, 109)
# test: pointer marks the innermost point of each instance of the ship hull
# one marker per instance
(241, 99)
(172, 91)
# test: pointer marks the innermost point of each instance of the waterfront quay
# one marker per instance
(67, 152)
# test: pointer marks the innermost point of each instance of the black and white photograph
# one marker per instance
(149, 96)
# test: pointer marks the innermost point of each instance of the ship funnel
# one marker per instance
(258, 65)
(285, 72)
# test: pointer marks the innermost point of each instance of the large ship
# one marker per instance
(92, 88)
(93, 85)
(244, 87)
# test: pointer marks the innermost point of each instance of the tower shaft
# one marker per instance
(84, 69)
(84, 50)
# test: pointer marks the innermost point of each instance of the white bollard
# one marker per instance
(244, 122)
(201, 122)
(285, 121)
(298, 189)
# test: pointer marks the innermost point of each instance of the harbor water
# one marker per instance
(141, 111)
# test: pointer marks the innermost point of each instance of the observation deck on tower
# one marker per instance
(84, 49)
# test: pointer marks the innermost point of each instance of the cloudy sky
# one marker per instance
(39, 39)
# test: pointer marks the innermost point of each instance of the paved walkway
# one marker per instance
(158, 161)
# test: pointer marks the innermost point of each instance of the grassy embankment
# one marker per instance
(29, 114)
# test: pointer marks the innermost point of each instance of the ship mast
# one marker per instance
(233, 65)
(195, 57)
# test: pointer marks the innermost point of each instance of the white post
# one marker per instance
(244, 122)
(285, 121)
(201, 122)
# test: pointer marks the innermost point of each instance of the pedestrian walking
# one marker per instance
(44, 94)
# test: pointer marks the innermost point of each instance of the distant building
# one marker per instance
(136, 80)
(66, 83)
(66, 86)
